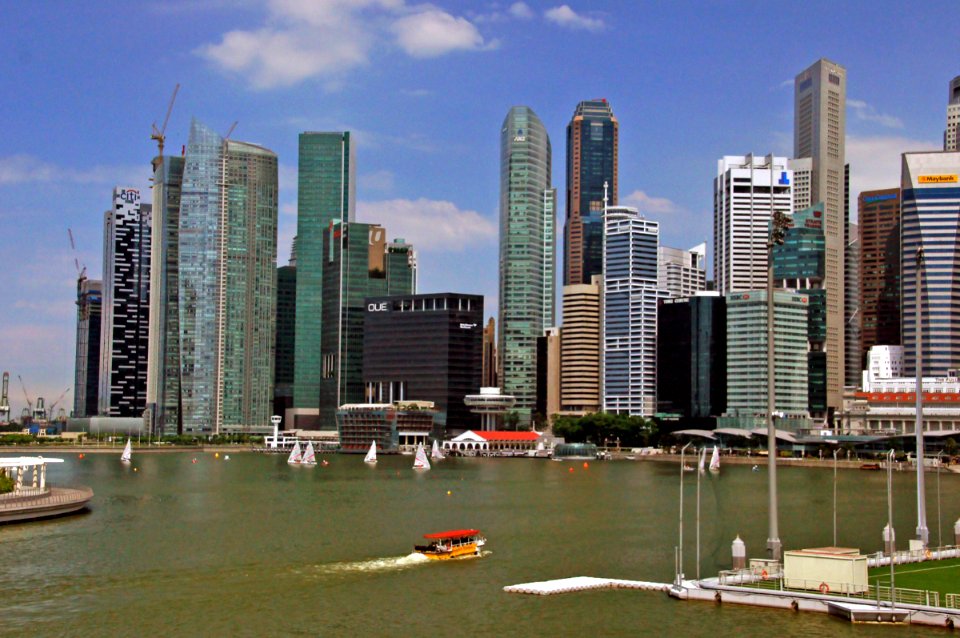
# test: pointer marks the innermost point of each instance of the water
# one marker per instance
(251, 546)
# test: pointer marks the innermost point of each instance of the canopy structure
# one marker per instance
(26, 461)
(735, 432)
(705, 434)
(781, 435)
(458, 533)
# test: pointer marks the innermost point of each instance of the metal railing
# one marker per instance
(64, 497)
(952, 601)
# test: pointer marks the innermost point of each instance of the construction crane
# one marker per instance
(81, 272)
(25, 395)
(50, 412)
(159, 134)
(230, 130)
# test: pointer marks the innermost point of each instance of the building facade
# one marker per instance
(819, 132)
(125, 315)
(326, 192)
(424, 348)
(951, 135)
(163, 357)
(227, 284)
(747, 356)
(879, 230)
(527, 258)
(746, 193)
(630, 297)
(692, 356)
(930, 214)
(286, 339)
(86, 380)
(592, 152)
(682, 273)
(489, 373)
(357, 260)
(548, 377)
(580, 348)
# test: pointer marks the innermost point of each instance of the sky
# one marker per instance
(425, 89)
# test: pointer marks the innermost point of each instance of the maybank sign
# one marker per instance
(937, 179)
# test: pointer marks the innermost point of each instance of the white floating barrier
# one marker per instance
(582, 583)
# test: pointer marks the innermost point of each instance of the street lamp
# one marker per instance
(939, 524)
(923, 534)
(835, 452)
(680, 563)
(778, 227)
(893, 597)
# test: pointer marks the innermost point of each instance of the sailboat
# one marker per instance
(420, 461)
(309, 456)
(296, 456)
(703, 460)
(127, 452)
(715, 460)
(371, 456)
(435, 453)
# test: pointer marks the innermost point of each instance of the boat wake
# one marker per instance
(394, 563)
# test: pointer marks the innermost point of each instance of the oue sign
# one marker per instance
(377, 307)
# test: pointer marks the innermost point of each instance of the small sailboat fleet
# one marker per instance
(715, 460)
(296, 455)
(371, 456)
(435, 453)
(309, 456)
(420, 460)
(127, 453)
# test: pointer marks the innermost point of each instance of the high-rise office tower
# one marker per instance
(125, 315)
(86, 382)
(853, 367)
(527, 258)
(488, 376)
(951, 136)
(580, 348)
(592, 139)
(819, 132)
(227, 284)
(163, 357)
(683, 273)
(746, 192)
(630, 296)
(358, 263)
(800, 183)
(286, 338)
(326, 191)
(879, 228)
(930, 216)
(548, 377)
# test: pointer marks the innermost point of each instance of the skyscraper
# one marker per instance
(163, 358)
(930, 192)
(580, 348)
(630, 312)
(286, 338)
(592, 149)
(682, 273)
(87, 369)
(357, 263)
(951, 136)
(879, 228)
(227, 284)
(125, 317)
(326, 191)
(819, 132)
(527, 259)
(746, 192)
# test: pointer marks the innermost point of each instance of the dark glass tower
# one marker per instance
(592, 138)
(86, 378)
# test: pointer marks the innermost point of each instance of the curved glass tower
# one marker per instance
(527, 252)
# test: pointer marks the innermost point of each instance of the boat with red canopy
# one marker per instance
(459, 543)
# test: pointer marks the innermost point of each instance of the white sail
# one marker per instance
(420, 461)
(715, 460)
(703, 460)
(127, 452)
(296, 456)
(371, 456)
(309, 456)
(435, 453)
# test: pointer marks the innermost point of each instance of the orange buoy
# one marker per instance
(586, 465)
(81, 456)
(194, 460)
(571, 469)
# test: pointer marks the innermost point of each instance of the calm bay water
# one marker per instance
(251, 546)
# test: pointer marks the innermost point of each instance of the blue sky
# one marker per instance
(425, 88)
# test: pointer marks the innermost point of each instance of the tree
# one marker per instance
(511, 420)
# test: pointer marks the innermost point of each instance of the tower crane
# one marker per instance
(50, 412)
(230, 130)
(81, 272)
(159, 134)
(25, 395)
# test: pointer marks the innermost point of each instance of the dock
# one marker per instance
(582, 583)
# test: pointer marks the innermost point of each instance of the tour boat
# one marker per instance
(371, 456)
(309, 456)
(420, 461)
(435, 453)
(296, 456)
(127, 453)
(460, 543)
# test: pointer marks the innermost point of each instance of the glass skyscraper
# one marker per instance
(527, 253)
(326, 192)
(227, 283)
(87, 371)
(592, 138)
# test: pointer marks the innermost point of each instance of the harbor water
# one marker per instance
(191, 544)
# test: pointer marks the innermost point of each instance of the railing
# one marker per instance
(952, 601)
(60, 497)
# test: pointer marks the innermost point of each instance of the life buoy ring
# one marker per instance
(927, 554)
(763, 574)
(824, 588)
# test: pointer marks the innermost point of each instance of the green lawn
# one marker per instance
(935, 575)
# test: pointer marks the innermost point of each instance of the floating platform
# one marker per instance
(859, 613)
(53, 501)
(582, 583)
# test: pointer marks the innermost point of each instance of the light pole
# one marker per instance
(680, 564)
(893, 597)
(923, 534)
(939, 524)
(699, 472)
(835, 452)
(778, 226)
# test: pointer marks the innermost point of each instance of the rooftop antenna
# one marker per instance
(159, 134)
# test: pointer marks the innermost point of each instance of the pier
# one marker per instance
(37, 499)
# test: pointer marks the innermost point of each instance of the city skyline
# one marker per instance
(427, 155)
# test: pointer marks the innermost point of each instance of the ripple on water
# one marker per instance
(373, 565)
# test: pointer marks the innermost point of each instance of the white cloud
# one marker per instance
(433, 225)
(305, 39)
(377, 181)
(521, 10)
(566, 17)
(21, 169)
(868, 113)
(432, 33)
(651, 205)
(875, 162)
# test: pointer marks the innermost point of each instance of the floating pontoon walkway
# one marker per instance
(582, 583)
